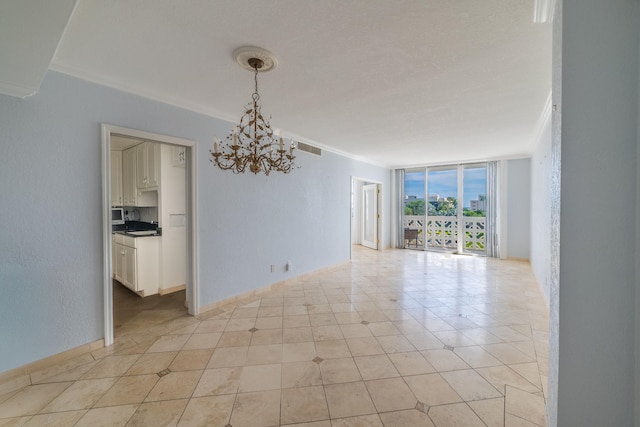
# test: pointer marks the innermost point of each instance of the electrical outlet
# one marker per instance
(289, 266)
(273, 268)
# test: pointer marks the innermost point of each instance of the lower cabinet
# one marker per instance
(136, 263)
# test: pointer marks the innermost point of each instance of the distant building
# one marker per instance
(409, 199)
(480, 204)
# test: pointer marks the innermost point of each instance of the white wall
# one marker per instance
(540, 217)
(595, 308)
(356, 227)
(172, 201)
(518, 208)
(51, 241)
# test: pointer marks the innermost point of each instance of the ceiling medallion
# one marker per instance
(251, 142)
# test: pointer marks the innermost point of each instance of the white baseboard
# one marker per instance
(22, 376)
(172, 289)
(255, 292)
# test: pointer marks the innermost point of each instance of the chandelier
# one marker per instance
(251, 143)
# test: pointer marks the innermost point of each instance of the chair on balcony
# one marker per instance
(409, 235)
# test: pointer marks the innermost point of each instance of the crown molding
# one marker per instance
(83, 75)
(543, 121)
(543, 11)
(17, 91)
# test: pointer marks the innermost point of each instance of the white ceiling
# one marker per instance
(399, 83)
(30, 31)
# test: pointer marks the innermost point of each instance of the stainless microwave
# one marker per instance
(117, 216)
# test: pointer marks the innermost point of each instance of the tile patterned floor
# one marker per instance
(396, 338)
(134, 314)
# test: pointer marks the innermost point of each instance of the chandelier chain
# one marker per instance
(255, 78)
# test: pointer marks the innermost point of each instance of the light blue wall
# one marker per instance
(599, 143)
(518, 212)
(50, 233)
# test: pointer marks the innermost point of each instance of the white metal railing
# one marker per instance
(442, 232)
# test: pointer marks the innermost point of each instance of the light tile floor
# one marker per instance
(395, 338)
(134, 314)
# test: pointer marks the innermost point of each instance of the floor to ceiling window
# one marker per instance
(474, 211)
(445, 208)
(413, 219)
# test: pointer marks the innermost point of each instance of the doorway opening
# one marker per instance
(151, 178)
(365, 213)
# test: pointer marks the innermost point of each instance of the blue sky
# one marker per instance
(445, 183)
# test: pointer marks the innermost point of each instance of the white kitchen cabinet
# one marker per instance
(130, 269)
(120, 266)
(116, 178)
(132, 195)
(119, 263)
(129, 190)
(136, 263)
(114, 257)
(147, 164)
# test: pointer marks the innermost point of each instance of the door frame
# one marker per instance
(192, 285)
(355, 217)
(375, 244)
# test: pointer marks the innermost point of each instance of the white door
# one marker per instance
(370, 216)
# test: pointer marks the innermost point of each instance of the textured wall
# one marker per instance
(597, 281)
(637, 340)
(554, 211)
(50, 237)
(541, 174)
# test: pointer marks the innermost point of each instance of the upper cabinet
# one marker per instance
(135, 175)
(116, 179)
(129, 190)
(147, 165)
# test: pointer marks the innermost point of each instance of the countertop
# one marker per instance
(138, 233)
(137, 229)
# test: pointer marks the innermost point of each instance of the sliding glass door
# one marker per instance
(445, 208)
(442, 212)
(474, 211)
(413, 218)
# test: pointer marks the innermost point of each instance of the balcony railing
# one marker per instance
(441, 232)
